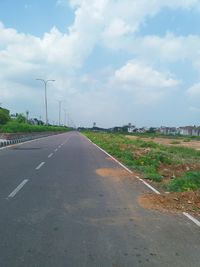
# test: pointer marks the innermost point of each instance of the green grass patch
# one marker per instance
(15, 127)
(186, 140)
(190, 181)
(175, 142)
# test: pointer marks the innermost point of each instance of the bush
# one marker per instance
(156, 177)
(190, 181)
(21, 118)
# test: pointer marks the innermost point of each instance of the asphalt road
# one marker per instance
(56, 211)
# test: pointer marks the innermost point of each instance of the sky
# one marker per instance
(114, 62)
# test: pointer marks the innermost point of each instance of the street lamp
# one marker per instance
(60, 103)
(45, 89)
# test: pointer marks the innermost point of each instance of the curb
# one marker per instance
(24, 139)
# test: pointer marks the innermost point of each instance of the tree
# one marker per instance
(4, 116)
(21, 118)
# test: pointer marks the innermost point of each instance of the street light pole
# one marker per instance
(60, 103)
(45, 92)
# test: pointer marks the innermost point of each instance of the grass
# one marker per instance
(15, 127)
(148, 157)
(189, 181)
(175, 142)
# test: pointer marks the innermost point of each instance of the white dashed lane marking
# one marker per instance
(17, 189)
(50, 155)
(40, 165)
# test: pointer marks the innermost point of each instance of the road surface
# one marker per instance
(59, 210)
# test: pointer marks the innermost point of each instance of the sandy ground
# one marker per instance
(169, 141)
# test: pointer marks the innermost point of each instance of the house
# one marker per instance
(189, 130)
(131, 129)
(169, 130)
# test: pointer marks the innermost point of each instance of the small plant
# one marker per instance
(186, 140)
(190, 181)
(153, 176)
(175, 142)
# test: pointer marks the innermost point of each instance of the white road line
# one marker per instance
(56, 150)
(40, 165)
(113, 158)
(17, 189)
(192, 218)
(148, 185)
(50, 155)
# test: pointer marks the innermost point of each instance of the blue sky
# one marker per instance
(114, 61)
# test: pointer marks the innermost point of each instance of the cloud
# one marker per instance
(169, 48)
(194, 90)
(147, 85)
(110, 24)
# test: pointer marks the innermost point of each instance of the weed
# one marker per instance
(190, 181)
(147, 157)
(186, 140)
(175, 142)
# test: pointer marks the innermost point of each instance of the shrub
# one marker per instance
(156, 177)
(190, 181)
(21, 118)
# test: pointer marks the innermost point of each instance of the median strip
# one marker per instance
(17, 189)
(40, 165)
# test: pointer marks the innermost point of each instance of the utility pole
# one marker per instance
(45, 95)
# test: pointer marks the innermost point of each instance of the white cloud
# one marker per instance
(194, 90)
(110, 23)
(147, 85)
(169, 48)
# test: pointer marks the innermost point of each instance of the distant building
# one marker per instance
(189, 130)
(169, 130)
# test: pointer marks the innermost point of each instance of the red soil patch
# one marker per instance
(173, 202)
(116, 173)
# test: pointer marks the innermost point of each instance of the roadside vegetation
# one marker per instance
(16, 127)
(173, 168)
(21, 125)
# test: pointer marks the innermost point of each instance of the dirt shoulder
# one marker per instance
(173, 202)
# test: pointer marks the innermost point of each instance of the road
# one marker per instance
(59, 208)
